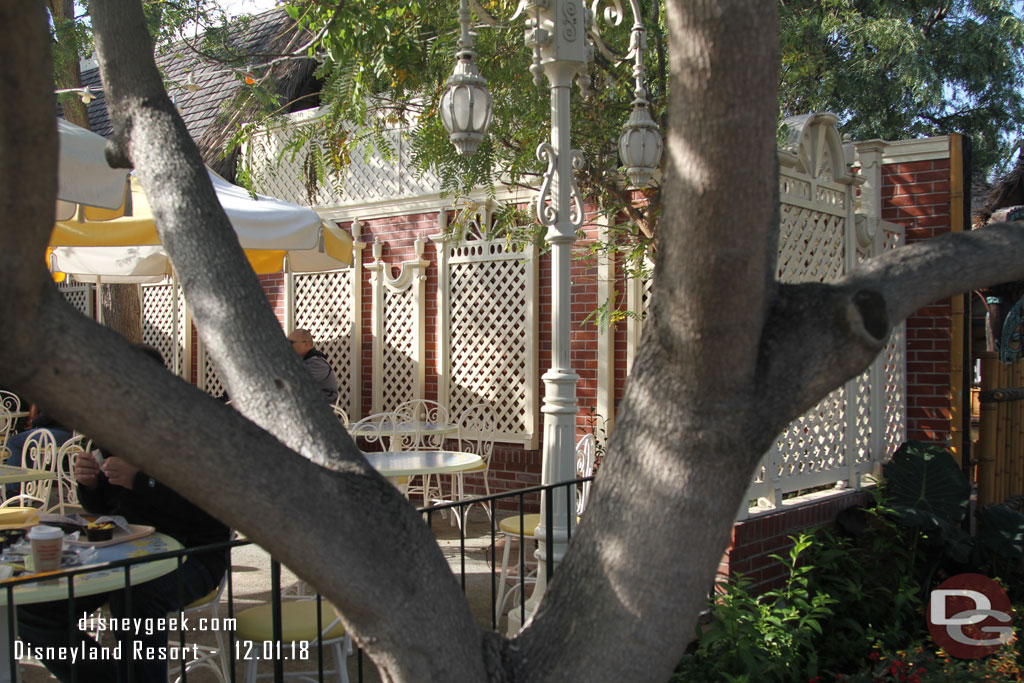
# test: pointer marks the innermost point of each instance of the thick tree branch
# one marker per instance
(202, 245)
(347, 531)
(819, 336)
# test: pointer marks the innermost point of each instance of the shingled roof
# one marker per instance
(209, 112)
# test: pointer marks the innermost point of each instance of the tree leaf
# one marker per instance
(924, 485)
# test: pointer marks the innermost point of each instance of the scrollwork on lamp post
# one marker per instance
(562, 35)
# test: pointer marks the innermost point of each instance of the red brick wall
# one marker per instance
(755, 540)
(916, 195)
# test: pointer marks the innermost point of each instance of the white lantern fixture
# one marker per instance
(640, 145)
(466, 105)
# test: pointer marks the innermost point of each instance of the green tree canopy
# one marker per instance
(888, 68)
(897, 69)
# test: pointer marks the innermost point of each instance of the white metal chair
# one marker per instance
(67, 489)
(340, 412)
(586, 453)
(476, 435)
(521, 528)
(421, 410)
(10, 401)
(39, 452)
(7, 421)
(377, 429)
(10, 406)
(215, 659)
(298, 629)
(380, 429)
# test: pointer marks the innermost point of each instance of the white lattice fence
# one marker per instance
(847, 434)
(80, 295)
(209, 378)
(489, 329)
(892, 364)
(369, 177)
(162, 309)
(324, 306)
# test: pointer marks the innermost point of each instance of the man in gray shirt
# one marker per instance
(316, 363)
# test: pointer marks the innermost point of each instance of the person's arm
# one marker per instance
(318, 368)
(93, 487)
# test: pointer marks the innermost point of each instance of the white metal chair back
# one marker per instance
(10, 406)
(67, 488)
(586, 452)
(340, 412)
(379, 428)
(10, 401)
(214, 658)
(477, 427)
(421, 411)
(7, 421)
(39, 452)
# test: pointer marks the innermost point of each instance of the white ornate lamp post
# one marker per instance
(558, 31)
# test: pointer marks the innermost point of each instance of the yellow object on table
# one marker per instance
(18, 517)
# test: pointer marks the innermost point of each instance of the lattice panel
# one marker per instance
(184, 336)
(368, 178)
(399, 349)
(490, 339)
(81, 295)
(894, 378)
(814, 441)
(160, 321)
(892, 238)
(811, 245)
(211, 382)
(323, 305)
(860, 449)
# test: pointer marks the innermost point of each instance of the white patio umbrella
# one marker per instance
(83, 176)
(128, 249)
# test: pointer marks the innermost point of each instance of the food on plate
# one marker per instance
(99, 531)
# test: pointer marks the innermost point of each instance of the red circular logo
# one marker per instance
(969, 616)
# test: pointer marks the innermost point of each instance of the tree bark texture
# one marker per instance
(738, 355)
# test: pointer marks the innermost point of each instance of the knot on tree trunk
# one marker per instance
(868, 317)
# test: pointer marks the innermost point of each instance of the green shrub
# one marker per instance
(853, 605)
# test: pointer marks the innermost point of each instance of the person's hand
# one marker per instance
(119, 472)
(86, 470)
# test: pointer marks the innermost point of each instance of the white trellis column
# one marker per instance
(390, 370)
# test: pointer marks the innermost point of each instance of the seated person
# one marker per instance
(316, 363)
(119, 488)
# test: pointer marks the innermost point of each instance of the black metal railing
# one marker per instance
(525, 501)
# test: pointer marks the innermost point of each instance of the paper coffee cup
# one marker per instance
(47, 542)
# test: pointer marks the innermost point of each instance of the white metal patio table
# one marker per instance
(410, 463)
(13, 474)
(102, 580)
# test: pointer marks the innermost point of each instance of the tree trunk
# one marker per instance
(119, 303)
(122, 310)
(68, 73)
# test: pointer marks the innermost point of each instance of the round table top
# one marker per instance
(10, 474)
(103, 579)
(408, 463)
